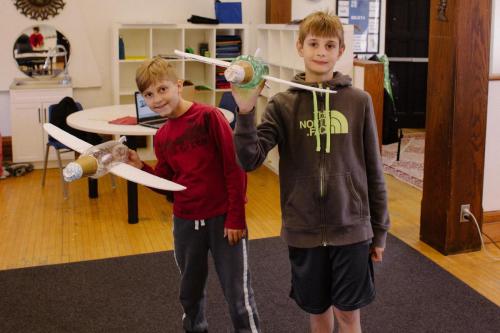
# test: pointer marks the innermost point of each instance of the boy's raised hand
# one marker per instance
(246, 98)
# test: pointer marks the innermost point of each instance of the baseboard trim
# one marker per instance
(491, 225)
(491, 216)
(7, 148)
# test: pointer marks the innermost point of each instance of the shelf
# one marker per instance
(263, 44)
(160, 35)
(136, 42)
(194, 38)
(273, 42)
(127, 92)
(127, 61)
(148, 40)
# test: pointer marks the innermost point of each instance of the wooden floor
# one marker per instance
(38, 227)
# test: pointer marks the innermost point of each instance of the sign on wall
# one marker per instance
(364, 15)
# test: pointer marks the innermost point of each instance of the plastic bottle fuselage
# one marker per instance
(96, 161)
(246, 71)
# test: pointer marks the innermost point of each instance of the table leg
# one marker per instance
(132, 196)
(133, 209)
(93, 188)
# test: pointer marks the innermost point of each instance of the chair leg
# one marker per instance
(63, 183)
(399, 143)
(47, 147)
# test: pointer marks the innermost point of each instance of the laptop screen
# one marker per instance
(143, 111)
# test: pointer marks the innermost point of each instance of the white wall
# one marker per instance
(302, 8)
(93, 20)
(495, 38)
(491, 185)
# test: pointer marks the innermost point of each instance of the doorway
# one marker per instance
(407, 44)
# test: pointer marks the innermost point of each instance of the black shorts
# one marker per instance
(341, 276)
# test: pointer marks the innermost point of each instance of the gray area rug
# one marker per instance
(139, 294)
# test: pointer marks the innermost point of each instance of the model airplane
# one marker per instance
(248, 71)
(120, 169)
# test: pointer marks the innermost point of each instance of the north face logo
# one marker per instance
(337, 123)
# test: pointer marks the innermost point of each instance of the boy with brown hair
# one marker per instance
(195, 148)
(333, 196)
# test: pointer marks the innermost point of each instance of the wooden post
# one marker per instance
(457, 94)
(278, 11)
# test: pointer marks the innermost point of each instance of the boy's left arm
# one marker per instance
(235, 177)
(377, 192)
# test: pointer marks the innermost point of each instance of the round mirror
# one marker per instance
(41, 51)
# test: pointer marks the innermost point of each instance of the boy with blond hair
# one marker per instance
(333, 196)
(195, 148)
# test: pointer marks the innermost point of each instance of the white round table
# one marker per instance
(96, 120)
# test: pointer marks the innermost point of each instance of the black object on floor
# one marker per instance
(139, 294)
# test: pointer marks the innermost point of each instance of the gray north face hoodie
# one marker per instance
(331, 180)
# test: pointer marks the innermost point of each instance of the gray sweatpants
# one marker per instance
(193, 240)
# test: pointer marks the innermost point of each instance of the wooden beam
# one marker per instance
(457, 95)
(278, 11)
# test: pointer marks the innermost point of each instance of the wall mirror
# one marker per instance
(41, 51)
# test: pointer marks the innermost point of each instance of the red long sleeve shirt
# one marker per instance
(196, 150)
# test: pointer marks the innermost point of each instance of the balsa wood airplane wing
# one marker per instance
(226, 64)
(145, 178)
(66, 139)
(120, 169)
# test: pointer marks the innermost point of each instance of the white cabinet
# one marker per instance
(276, 43)
(142, 41)
(28, 112)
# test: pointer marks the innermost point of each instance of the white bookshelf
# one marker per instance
(277, 44)
(277, 48)
(143, 41)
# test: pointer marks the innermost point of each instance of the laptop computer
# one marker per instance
(145, 116)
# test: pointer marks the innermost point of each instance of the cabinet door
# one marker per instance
(29, 110)
(27, 133)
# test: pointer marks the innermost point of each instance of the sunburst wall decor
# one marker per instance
(39, 9)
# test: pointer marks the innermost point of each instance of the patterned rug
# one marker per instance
(410, 167)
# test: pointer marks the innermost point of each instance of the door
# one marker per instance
(407, 39)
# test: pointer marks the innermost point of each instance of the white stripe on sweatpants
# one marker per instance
(176, 263)
(245, 287)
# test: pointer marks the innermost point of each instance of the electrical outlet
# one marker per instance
(464, 208)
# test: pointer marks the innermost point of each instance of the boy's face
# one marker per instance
(320, 56)
(163, 97)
